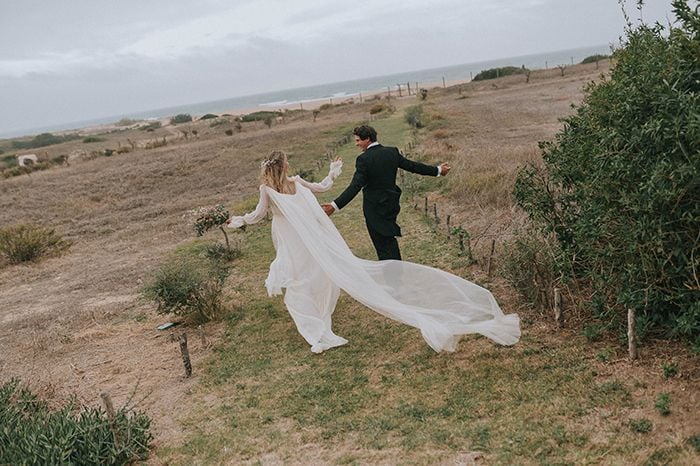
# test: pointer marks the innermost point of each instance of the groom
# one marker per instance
(375, 174)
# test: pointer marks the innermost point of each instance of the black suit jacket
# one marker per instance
(375, 175)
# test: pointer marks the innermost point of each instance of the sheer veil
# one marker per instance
(441, 305)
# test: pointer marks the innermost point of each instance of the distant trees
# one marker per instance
(493, 73)
(181, 118)
(43, 140)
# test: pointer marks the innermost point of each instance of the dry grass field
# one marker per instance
(77, 324)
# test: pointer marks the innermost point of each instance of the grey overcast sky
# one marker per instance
(73, 60)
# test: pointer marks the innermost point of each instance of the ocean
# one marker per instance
(339, 91)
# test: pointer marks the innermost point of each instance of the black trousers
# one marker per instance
(387, 247)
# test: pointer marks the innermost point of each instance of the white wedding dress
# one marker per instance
(314, 263)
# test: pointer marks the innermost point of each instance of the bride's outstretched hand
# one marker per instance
(336, 167)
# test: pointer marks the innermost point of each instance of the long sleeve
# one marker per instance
(417, 167)
(325, 184)
(254, 216)
(359, 181)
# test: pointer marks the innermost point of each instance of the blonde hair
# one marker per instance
(273, 173)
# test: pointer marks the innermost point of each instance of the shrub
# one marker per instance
(494, 73)
(16, 171)
(228, 132)
(43, 140)
(181, 118)
(414, 116)
(9, 161)
(642, 425)
(208, 116)
(26, 243)
(218, 122)
(663, 404)
(259, 116)
(188, 286)
(325, 107)
(619, 188)
(156, 143)
(594, 58)
(376, 108)
(90, 139)
(33, 434)
(151, 126)
(670, 370)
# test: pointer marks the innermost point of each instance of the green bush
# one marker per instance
(494, 73)
(594, 58)
(181, 118)
(259, 116)
(188, 286)
(90, 139)
(208, 116)
(414, 116)
(643, 425)
(31, 433)
(25, 243)
(9, 161)
(43, 140)
(663, 404)
(620, 187)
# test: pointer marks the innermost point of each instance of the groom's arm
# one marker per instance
(359, 180)
(416, 167)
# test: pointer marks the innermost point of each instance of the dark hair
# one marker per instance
(365, 132)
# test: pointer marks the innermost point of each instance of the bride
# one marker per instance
(314, 263)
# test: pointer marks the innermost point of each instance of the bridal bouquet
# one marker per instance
(207, 218)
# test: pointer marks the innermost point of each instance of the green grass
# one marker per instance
(386, 397)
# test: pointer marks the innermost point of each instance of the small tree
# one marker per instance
(207, 218)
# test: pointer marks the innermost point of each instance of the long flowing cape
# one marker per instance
(441, 305)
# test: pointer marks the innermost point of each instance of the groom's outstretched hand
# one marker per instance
(444, 168)
(328, 209)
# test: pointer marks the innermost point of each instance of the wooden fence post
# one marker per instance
(425, 209)
(202, 336)
(631, 334)
(558, 315)
(448, 226)
(185, 354)
(111, 415)
(488, 263)
(437, 219)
